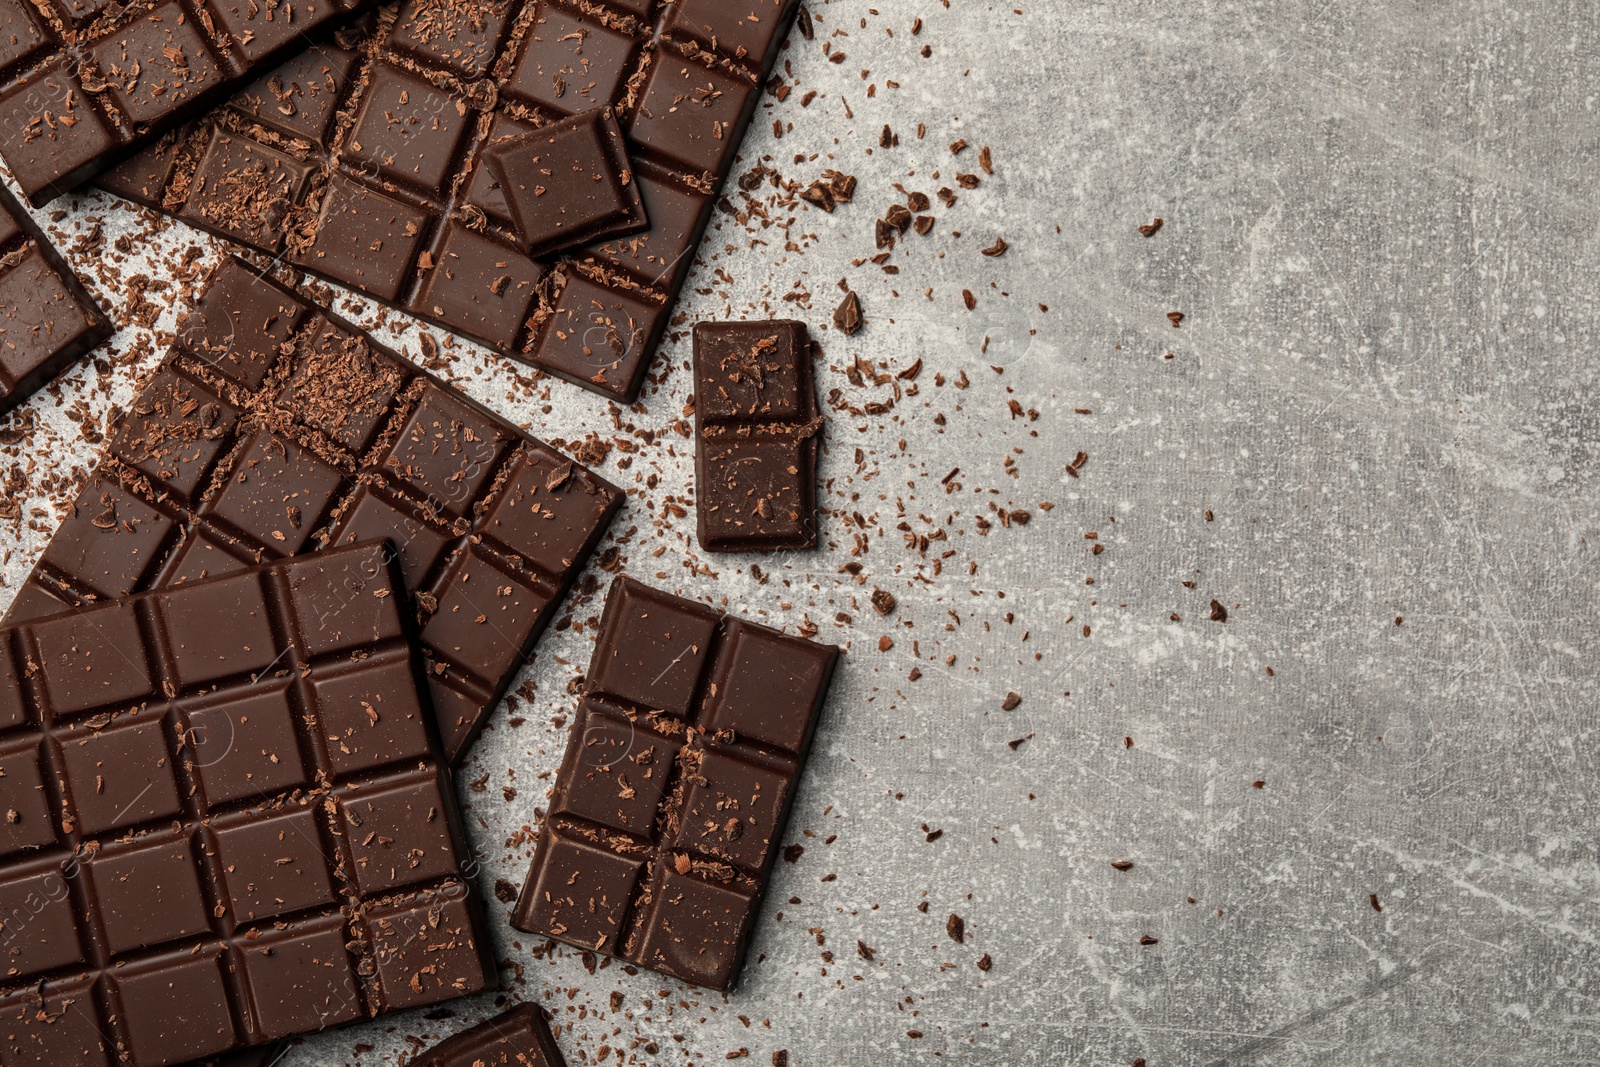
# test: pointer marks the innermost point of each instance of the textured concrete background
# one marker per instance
(1381, 229)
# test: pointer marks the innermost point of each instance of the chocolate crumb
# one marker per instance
(1149, 229)
(956, 927)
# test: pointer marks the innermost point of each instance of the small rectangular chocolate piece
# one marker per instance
(85, 82)
(272, 428)
(568, 183)
(516, 1038)
(227, 820)
(47, 318)
(680, 769)
(756, 435)
(365, 163)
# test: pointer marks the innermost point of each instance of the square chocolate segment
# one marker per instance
(677, 781)
(516, 1038)
(47, 318)
(78, 95)
(197, 872)
(272, 428)
(756, 433)
(568, 183)
(28, 824)
(301, 979)
(431, 196)
(149, 891)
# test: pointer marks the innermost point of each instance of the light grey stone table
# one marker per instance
(1375, 445)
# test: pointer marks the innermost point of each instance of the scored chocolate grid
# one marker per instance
(507, 513)
(50, 731)
(668, 872)
(84, 79)
(326, 165)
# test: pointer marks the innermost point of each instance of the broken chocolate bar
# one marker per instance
(681, 765)
(84, 82)
(756, 436)
(47, 318)
(363, 161)
(273, 428)
(227, 820)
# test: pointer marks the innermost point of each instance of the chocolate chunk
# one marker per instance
(273, 428)
(568, 183)
(47, 318)
(517, 1038)
(847, 316)
(79, 96)
(202, 871)
(756, 434)
(388, 188)
(682, 761)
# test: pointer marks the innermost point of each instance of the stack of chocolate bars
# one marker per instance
(305, 571)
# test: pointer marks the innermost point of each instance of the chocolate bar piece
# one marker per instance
(273, 428)
(227, 820)
(679, 772)
(568, 183)
(47, 318)
(84, 82)
(516, 1038)
(756, 432)
(364, 163)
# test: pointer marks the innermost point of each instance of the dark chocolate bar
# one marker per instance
(227, 820)
(364, 162)
(756, 434)
(680, 769)
(273, 428)
(47, 318)
(568, 183)
(516, 1038)
(84, 82)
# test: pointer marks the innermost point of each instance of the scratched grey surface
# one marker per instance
(1381, 229)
